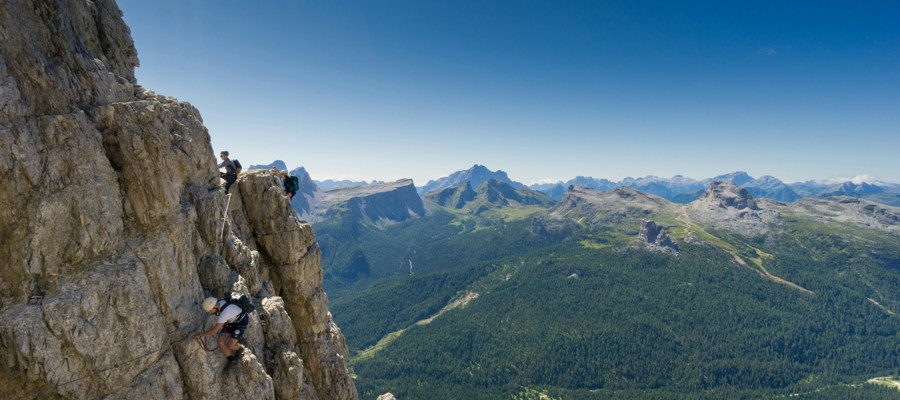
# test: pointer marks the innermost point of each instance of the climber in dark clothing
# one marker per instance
(290, 182)
(230, 174)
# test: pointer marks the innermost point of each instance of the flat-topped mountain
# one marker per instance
(853, 210)
(375, 204)
(593, 208)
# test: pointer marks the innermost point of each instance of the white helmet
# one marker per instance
(209, 303)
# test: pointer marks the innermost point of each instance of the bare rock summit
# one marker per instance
(728, 195)
(728, 206)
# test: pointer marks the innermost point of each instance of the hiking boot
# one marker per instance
(236, 355)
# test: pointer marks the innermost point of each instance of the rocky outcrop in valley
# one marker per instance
(656, 238)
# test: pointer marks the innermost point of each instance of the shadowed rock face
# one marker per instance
(374, 204)
(457, 196)
(111, 231)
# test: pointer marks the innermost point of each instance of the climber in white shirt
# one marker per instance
(230, 326)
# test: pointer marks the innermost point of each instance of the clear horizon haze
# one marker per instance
(543, 90)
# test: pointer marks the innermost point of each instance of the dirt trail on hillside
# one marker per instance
(689, 226)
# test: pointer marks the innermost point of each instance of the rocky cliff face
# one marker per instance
(113, 228)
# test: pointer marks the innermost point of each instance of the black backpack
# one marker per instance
(241, 300)
(237, 166)
(291, 184)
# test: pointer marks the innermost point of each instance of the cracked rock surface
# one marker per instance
(113, 228)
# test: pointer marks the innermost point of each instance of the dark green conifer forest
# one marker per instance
(585, 313)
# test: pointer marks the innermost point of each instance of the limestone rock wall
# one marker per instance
(113, 228)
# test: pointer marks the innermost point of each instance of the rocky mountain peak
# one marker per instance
(767, 180)
(114, 228)
(738, 178)
(728, 195)
(277, 164)
(854, 189)
(475, 176)
(728, 206)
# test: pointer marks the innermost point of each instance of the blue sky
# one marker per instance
(544, 90)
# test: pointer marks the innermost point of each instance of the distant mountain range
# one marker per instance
(330, 184)
(460, 185)
(680, 189)
(278, 164)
